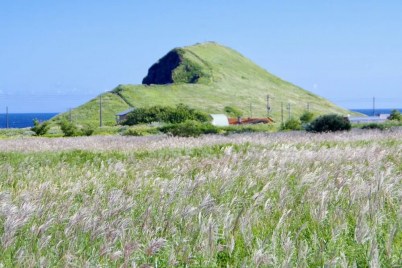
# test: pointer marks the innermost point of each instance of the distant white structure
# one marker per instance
(384, 116)
(219, 120)
(381, 118)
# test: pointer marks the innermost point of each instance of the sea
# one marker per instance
(25, 120)
(375, 112)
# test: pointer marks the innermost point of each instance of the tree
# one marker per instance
(329, 123)
(40, 128)
(165, 114)
(306, 117)
(69, 129)
(189, 128)
(395, 115)
(291, 124)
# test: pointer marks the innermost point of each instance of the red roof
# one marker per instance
(249, 120)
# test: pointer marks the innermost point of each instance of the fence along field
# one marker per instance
(286, 199)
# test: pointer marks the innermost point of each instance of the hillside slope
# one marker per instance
(208, 76)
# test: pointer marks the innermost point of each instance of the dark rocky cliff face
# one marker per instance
(161, 73)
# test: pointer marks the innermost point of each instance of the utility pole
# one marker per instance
(268, 106)
(6, 116)
(282, 112)
(308, 107)
(288, 111)
(100, 110)
(373, 106)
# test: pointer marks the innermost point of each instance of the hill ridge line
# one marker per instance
(232, 80)
(205, 63)
(123, 99)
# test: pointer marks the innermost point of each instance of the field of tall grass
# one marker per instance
(245, 200)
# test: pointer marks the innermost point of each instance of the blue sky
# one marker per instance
(55, 55)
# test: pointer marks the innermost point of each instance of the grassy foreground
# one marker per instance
(284, 199)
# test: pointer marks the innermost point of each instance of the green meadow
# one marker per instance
(289, 199)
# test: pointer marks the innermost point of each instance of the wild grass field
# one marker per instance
(245, 200)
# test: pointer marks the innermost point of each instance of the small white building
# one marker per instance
(369, 119)
(219, 120)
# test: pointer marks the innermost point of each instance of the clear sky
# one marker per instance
(55, 55)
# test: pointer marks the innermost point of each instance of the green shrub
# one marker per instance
(87, 131)
(166, 114)
(189, 128)
(329, 123)
(291, 124)
(40, 128)
(395, 115)
(306, 117)
(69, 129)
(146, 115)
(233, 111)
(183, 113)
(373, 126)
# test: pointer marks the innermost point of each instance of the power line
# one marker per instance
(100, 110)
(7, 125)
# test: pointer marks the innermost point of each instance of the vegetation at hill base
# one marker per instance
(207, 77)
(387, 125)
(189, 128)
(70, 129)
(306, 117)
(257, 200)
(291, 124)
(374, 126)
(395, 115)
(165, 114)
(329, 123)
(39, 128)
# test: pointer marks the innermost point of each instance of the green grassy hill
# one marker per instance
(207, 76)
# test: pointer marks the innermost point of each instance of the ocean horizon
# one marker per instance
(25, 120)
(375, 112)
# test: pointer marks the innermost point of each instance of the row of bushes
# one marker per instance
(329, 123)
(69, 129)
(324, 123)
(166, 114)
(195, 128)
(184, 121)
(192, 128)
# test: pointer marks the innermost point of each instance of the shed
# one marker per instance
(250, 121)
(120, 117)
(219, 120)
